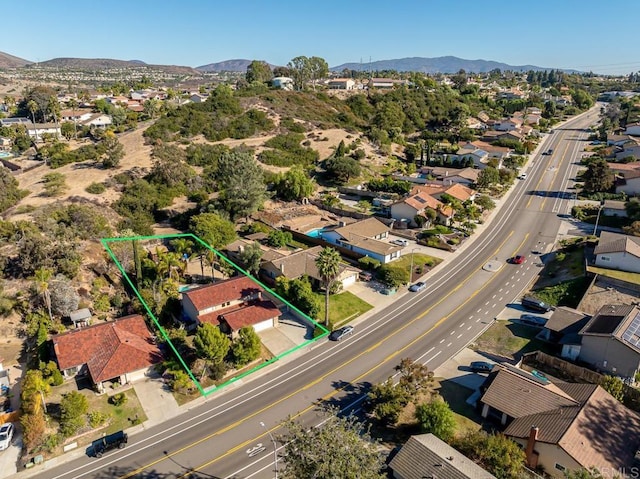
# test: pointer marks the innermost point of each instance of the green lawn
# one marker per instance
(419, 259)
(343, 307)
(510, 339)
(568, 293)
(615, 274)
(467, 418)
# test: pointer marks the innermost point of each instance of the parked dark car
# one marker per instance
(338, 334)
(535, 304)
(117, 440)
(481, 366)
(533, 320)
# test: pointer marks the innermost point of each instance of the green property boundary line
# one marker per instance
(105, 243)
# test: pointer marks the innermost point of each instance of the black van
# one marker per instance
(535, 304)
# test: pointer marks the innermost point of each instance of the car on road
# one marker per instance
(481, 366)
(343, 332)
(400, 242)
(523, 176)
(117, 440)
(6, 434)
(548, 152)
(517, 259)
(533, 320)
(419, 286)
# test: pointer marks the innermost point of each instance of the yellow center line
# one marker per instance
(564, 153)
(321, 378)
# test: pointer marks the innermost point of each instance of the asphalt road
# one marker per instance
(223, 437)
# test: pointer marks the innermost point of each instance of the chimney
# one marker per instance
(530, 455)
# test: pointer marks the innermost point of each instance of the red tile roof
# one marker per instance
(215, 294)
(109, 350)
(250, 315)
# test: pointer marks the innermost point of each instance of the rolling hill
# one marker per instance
(236, 65)
(90, 64)
(9, 61)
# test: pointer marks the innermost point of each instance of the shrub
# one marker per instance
(560, 257)
(369, 263)
(118, 399)
(97, 418)
(95, 188)
(393, 276)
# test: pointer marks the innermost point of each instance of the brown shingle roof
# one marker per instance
(109, 350)
(223, 291)
(599, 433)
(617, 243)
(427, 456)
(460, 192)
(370, 228)
(566, 320)
(518, 394)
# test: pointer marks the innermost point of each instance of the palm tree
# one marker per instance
(32, 106)
(54, 108)
(42, 277)
(73, 103)
(183, 248)
(328, 263)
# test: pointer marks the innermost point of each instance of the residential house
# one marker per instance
(629, 150)
(386, 83)
(479, 156)
(120, 351)
(97, 120)
(451, 176)
(510, 94)
(5, 143)
(620, 140)
(14, 120)
(365, 237)
(427, 456)
(459, 192)
(341, 84)
(283, 83)
(408, 208)
(627, 174)
(80, 318)
(611, 340)
(75, 115)
(563, 327)
(303, 263)
(632, 129)
(495, 135)
(509, 124)
(532, 118)
(562, 426)
(614, 208)
(234, 250)
(618, 251)
(38, 129)
(475, 124)
(198, 98)
(231, 305)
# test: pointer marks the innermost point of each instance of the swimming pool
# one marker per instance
(5, 154)
(316, 233)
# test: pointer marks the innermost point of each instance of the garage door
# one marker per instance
(263, 325)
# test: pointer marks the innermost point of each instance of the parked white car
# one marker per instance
(6, 434)
(400, 242)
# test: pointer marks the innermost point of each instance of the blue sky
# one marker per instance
(581, 34)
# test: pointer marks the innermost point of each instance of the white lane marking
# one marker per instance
(478, 320)
(494, 296)
(441, 341)
(461, 324)
(469, 328)
(449, 345)
(434, 356)
(459, 336)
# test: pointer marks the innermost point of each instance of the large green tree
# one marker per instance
(598, 177)
(246, 347)
(340, 448)
(300, 69)
(241, 183)
(342, 169)
(213, 229)
(113, 150)
(328, 264)
(73, 409)
(294, 184)
(258, 71)
(251, 256)
(318, 69)
(436, 417)
(211, 343)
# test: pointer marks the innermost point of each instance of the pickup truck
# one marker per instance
(117, 440)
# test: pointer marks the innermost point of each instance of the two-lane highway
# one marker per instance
(223, 437)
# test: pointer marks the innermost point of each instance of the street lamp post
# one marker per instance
(411, 270)
(275, 449)
(595, 228)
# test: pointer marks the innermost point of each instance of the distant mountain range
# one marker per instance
(448, 64)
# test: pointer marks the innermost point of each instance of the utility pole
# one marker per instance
(275, 450)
